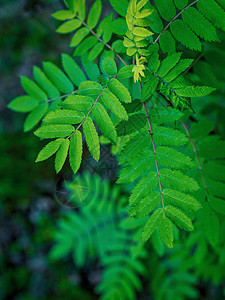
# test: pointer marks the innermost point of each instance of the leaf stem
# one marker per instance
(168, 25)
(100, 40)
(154, 149)
(61, 97)
(199, 163)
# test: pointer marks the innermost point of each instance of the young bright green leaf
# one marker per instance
(61, 155)
(35, 116)
(69, 26)
(119, 90)
(63, 15)
(92, 138)
(79, 36)
(23, 104)
(43, 81)
(54, 131)
(32, 89)
(73, 70)
(112, 103)
(49, 150)
(142, 32)
(94, 14)
(104, 123)
(152, 224)
(58, 78)
(75, 151)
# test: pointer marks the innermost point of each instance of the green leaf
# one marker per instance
(142, 32)
(125, 72)
(179, 218)
(49, 150)
(168, 136)
(63, 15)
(166, 8)
(79, 36)
(135, 123)
(35, 116)
(180, 4)
(180, 67)
(75, 151)
(23, 104)
(89, 88)
(183, 201)
(154, 62)
(165, 115)
(194, 91)
(43, 81)
(120, 6)
(119, 90)
(172, 158)
(69, 26)
(185, 35)
(168, 63)
(167, 43)
(152, 224)
(64, 117)
(61, 155)
(104, 122)
(177, 180)
(90, 68)
(54, 131)
(199, 24)
(92, 138)
(112, 103)
(108, 65)
(218, 205)
(85, 45)
(94, 14)
(78, 102)
(210, 224)
(95, 51)
(201, 129)
(144, 187)
(73, 70)
(140, 209)
(166, 232)
(58, 78)
(149, 87)
(213, 12)
(32, 89)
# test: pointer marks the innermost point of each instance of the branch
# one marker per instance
(154, 149)
(61, 97)
(168, 25)
(199, 163)
(100, 40)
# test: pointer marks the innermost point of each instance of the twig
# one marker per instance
(168, 25)
(61, 97)
(199, 163)
(100, 40)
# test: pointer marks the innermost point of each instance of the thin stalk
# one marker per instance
(168, 25)
(199, 163)
(61, 97)
(100, 40)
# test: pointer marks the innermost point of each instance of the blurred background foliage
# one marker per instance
(32, 200)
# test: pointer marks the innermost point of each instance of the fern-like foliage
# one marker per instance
(209, 153)
(99, 230)
(162, 189)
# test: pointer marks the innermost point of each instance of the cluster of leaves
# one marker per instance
(154, 147)
(100, 230)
